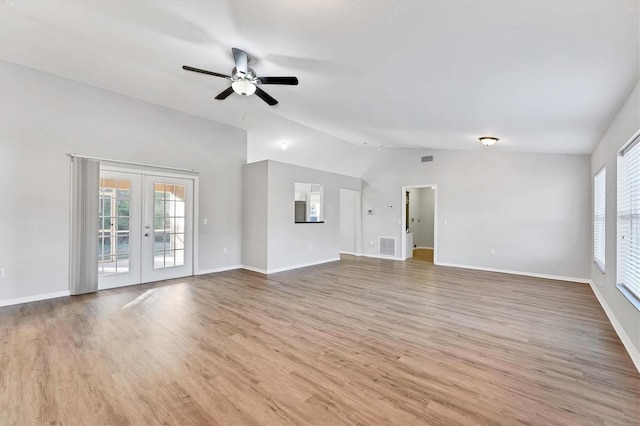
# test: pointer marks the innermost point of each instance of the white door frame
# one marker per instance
(403, 221)
(196, 193)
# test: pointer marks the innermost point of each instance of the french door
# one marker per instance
(145, 228)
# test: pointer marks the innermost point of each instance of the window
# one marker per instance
(599, 208)
(629, 218)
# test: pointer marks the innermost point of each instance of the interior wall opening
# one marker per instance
(419, 223)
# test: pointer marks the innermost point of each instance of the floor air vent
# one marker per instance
(387, 246)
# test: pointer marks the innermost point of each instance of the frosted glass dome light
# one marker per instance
(488, 140)
(243, 87)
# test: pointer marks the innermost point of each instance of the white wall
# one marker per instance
(621, 311)
(290, 244)
(532, 209)
(414, 201)
(43, 118)
(421, 210)
(307, 147)
(427, 208)
(254, 215)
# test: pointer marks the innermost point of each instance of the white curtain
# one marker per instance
(85, 186)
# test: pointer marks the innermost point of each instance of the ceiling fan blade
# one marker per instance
(241, 60)
(265, 96)
(225, 94)
(188, 68)
(292, 81)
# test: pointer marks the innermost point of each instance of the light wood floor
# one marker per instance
(361, 341)
(425, 255)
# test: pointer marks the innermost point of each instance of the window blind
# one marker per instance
(629, 219)
(599, 216)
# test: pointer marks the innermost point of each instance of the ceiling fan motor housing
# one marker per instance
(244, 83)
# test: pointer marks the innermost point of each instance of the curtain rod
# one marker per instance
(134, 163)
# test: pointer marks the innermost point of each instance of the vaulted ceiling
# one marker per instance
(543, 76)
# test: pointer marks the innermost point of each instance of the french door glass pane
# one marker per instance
(113, 232)
(168, 225)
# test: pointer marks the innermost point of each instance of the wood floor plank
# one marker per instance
(357, 342)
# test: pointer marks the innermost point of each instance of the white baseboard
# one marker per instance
(420, 247)
(526, 274)
(252, 269)
(288, 268)
(349, 253)
(36, 298)
(624, 337)
(214, 270)
(376, 256)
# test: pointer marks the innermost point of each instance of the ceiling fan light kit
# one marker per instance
(488, 140)
(243, 87)
(243, 79)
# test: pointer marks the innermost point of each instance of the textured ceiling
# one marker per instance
(544, 76)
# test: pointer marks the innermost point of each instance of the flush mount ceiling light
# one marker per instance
(284, 146)
(488, 140)
(244, 87)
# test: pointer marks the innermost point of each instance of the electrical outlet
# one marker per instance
(2, 273)
(205, 221)
(371, 243)
(493, 252)
(225, 250)
(310, 247)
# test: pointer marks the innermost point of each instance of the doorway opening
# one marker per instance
(419, 223)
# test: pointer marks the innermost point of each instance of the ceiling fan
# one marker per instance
(243, 79)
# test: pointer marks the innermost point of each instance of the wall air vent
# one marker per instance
(387, 246)
(427, 158)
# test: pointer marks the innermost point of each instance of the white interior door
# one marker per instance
(167, 233)
(119, 233)
(145, 228)
(350, 222)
